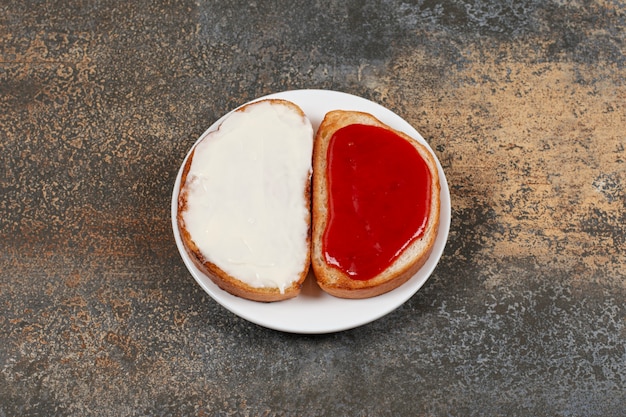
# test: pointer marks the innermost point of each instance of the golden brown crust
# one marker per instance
(331, 279)
(217, 275)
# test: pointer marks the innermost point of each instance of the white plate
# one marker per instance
(314, 311)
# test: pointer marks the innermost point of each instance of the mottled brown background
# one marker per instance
(523, 102)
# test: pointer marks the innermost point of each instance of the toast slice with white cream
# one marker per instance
(244, 201)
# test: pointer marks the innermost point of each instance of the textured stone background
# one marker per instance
(524, 103)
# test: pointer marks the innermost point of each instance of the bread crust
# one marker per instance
(412, 258)
(222, 279)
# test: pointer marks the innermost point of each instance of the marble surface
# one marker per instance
(523, 103)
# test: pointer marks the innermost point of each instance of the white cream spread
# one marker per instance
(246, 206)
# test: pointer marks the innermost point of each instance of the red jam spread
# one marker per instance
(379, 199)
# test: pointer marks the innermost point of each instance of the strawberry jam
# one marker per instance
(379, 199)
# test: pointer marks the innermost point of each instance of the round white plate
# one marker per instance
(314, 311)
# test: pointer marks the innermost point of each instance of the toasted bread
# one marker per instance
(331, 278)
(244, 202)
